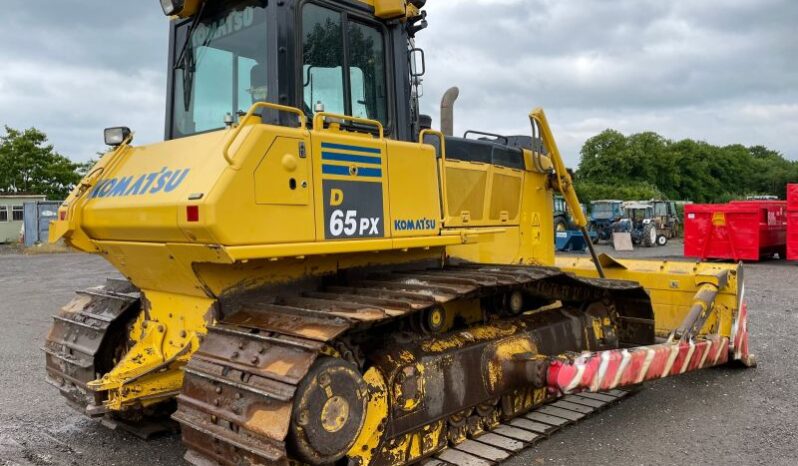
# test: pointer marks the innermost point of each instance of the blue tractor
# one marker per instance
(603, 217)
(567, 236)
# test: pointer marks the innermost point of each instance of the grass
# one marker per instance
(47, 248)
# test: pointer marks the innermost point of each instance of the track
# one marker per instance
(240, 403)
(523, 432)
(85, 337)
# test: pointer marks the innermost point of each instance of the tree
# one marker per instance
(637, 166)
(29, 165)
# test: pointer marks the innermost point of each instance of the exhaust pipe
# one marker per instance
(447, 111)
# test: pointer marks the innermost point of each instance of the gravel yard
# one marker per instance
(718, 416)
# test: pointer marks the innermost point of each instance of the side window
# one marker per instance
(323, 58)
(252, 83)
(213, 87)
(367, 72)
(18, 213)
(3, 213)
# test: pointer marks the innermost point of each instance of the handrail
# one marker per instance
(255, 107)
(444, 194)
(318, 121)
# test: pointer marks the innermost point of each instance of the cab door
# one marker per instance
(344, 88)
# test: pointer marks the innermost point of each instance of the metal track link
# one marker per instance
(513, 437)
(238, 393)
(74, 345)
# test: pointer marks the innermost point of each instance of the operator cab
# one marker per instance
(315, 55)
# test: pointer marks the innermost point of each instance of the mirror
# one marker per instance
(418, 65)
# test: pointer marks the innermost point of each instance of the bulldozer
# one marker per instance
(312, 275)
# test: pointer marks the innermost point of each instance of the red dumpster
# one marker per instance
(792, 197)
(792, 236)
(740, 230)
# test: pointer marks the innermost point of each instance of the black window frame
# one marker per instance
(4, 210)
(363, 15)
(269, 36)
(17, 209)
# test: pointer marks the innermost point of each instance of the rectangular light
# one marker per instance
(116, 136)
(192, 213)
(171, 7)
(181, 8)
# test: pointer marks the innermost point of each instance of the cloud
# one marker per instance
(74, 67)
(723, 71)
(681, 68)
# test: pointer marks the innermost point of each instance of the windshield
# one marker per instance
(559, 204)
(602, 211)
(221, 70)
(638, 214)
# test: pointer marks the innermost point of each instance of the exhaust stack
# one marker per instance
(447, 111)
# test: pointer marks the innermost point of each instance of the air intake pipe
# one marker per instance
(447, 111)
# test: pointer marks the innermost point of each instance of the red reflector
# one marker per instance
(192, 213)
(62, 215)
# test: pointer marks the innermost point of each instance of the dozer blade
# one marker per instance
(713, 329)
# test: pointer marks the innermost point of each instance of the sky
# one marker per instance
(722, 71)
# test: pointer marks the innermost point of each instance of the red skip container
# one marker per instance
(740, 230)
(792, 197)
(792, 236)
(792, 222)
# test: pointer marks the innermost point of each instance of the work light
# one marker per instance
(172, 7)
(116, 136)
(181, 8)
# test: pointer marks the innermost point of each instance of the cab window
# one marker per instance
(343, 65)
(220, 67)
(367, 72)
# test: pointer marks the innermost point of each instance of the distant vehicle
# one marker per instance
(765, 197)
(560, 214)
(603, 215)
(567, 236)
(639, 221)
(668, 221)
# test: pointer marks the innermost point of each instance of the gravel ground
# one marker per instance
(710, 417)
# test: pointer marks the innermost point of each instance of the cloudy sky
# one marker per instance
(725, 71)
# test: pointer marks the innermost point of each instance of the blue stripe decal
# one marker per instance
(344, 171)
(350, 158)
(368, 150)
(371, 172)
(335, 170)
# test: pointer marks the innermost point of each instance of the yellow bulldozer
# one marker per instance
(315, 276)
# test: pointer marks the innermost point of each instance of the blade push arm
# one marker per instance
(563, 181)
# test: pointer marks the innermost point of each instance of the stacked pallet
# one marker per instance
(792, 222)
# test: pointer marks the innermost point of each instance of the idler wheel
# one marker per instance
(329, 412)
